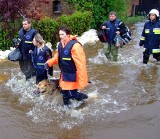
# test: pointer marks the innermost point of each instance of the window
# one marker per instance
(56, 6)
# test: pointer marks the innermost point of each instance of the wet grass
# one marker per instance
(134, 19)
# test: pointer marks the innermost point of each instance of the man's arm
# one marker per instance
(103, 25)
(142, 39)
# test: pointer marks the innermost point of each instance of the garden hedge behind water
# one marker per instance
(78, 22)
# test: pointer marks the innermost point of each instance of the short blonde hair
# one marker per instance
(39, 38)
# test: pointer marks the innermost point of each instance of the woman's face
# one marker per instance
(63, 36)
(34, 42)
(152, 17)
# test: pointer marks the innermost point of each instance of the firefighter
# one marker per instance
(150, 38)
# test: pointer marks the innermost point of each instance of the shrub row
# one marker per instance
(78, 22)
(101, 8)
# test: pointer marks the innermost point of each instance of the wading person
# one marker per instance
(39, 56)
(150, 38)
(72, 62)
(113, 27)
(26, 35)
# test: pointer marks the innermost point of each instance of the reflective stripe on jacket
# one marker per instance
(66, 63)
(26, 40)
(150, 38)
(79, 58)
(40, 58)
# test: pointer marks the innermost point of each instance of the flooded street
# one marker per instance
(127, 106)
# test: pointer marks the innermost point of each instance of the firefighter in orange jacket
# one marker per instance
(72, 62)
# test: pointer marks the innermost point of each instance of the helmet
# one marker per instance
(154, 11)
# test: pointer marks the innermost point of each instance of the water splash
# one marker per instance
(89, 36)
(100, 58)
(4, 54)
(130, 54)
(52, 111)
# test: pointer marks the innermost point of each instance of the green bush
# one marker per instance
(47, 27)
(134, 19)
(8, 30)
(78, 22)
(101, 8)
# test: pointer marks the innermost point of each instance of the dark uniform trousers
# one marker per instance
(27, 68)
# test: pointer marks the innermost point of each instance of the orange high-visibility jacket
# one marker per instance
(79, 58)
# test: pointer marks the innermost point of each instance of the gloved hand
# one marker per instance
(46, 66)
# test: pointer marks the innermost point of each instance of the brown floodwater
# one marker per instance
(127, 106)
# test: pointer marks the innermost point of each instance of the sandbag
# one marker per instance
(15, 55)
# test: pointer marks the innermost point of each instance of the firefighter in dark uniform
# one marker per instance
(26, 35)
(150, 38)
(39, 57)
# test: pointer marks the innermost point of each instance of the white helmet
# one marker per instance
(154, 11)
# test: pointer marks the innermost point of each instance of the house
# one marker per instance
(51, 8)
(54, 8)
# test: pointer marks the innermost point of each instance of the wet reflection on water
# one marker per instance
(128, 94)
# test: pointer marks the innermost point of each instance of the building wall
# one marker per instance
(131, 6)
(41, 8)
